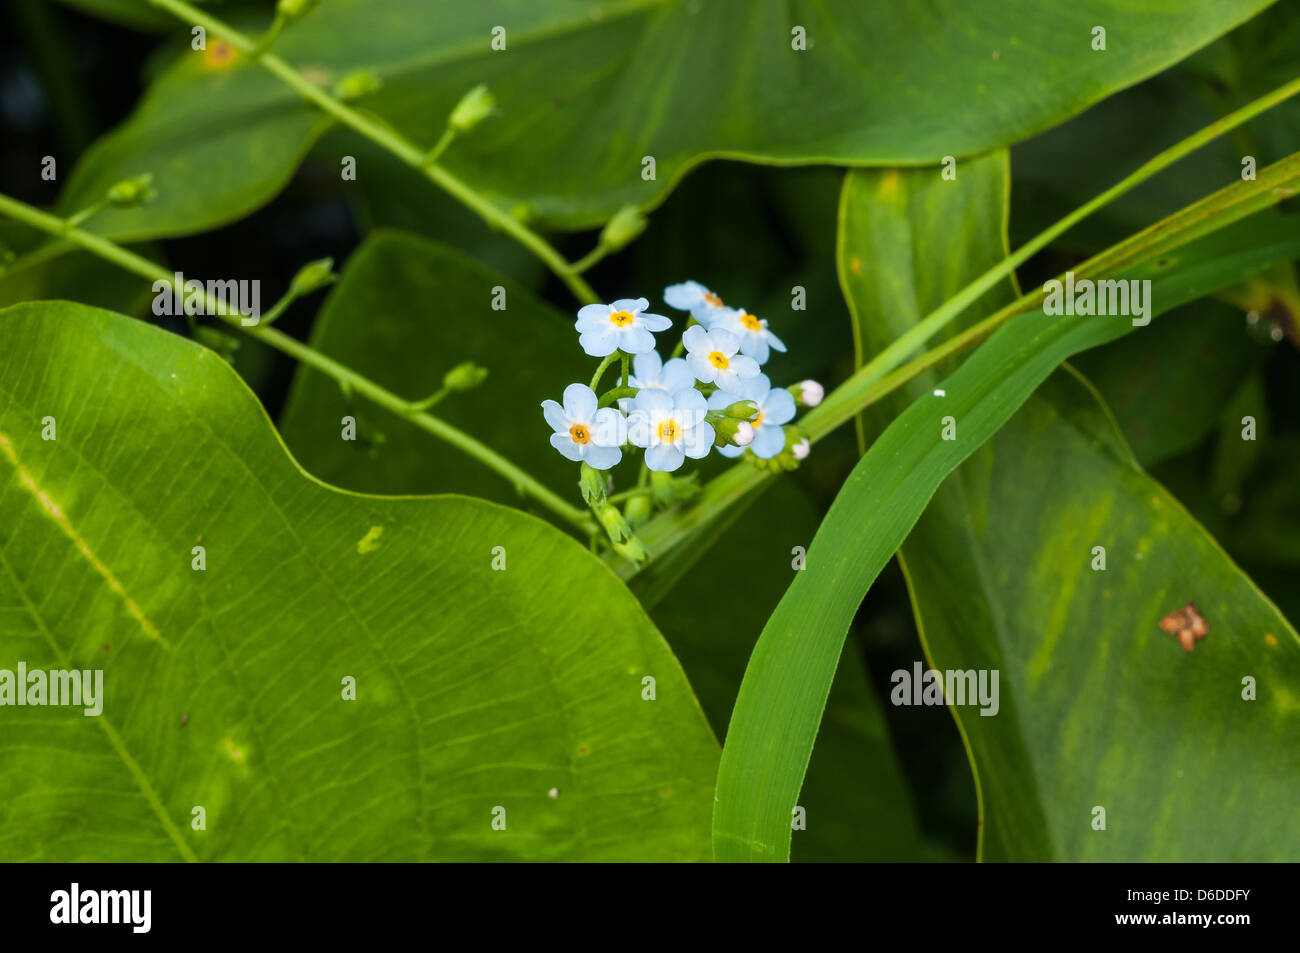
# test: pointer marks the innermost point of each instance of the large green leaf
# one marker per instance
(1098, 707)
(789, 674)
(588, 88)
(475, 688)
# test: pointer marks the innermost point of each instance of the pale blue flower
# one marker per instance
(693, 297)
(649, 370)
(670, 427)
(624, 326)
(712, 358)
(755, 339)
(583, 432)
(775, 407)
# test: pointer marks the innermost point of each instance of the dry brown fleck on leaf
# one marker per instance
(1187, 625)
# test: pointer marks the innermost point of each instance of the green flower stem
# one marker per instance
(434, 154)
(589, 260)
(623, 380)
(629, 494)
(615, 394)
(523, 481)
(600, 371)
(420, 406)
(93, 209)
(898, 351)
(392, 142)
(270, 35)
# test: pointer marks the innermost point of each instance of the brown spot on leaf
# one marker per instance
(1187, 625)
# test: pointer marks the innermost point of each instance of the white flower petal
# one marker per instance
(635, 339)
(591, 313)
(646, 368)
(754, 346)
(664, 457)
(696, 339)
(727, 450)
(744, 366)
(685, 296)
(676, 375)
(654, 400)
(609, 429)
(601, 341)
(701, 367)
(564, 443)
(580, 403)
(768, 441)
(555, 416)
(638, 428)
(724, 341)
(700, 440)
(654, 322)
(773, 340)
(690, 401)
(779, 407)
(629, 304)
(602, 458)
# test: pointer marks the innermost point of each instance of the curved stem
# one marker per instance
(392, 142)
(523, 481)
(600, 371)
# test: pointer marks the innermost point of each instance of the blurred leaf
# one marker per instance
(1168, 386)
(48, 270)
(404, 313)
(222, 688)
(587, 89)
(1098, 706)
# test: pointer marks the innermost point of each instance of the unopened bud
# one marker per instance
(469, 375)
(632, 549)
(638, 510)
(615, 526)
(728, 430)
(473, 108)
(590, 480)
(807, 393)
(358, 84)
(741, 410)
(312, 276)
(131, 192)
(294, 9)
(627, 223)
(801, 449)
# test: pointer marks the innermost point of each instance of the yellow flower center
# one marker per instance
(757, 420)
(718, 360)
(669, 431)
(580, 434)
(621, 318)
(751, 322)
(712, 300)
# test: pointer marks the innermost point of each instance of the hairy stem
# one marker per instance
(523, 481)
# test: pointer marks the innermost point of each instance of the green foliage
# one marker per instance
(586, 90)
(224, 687)
(349, 600)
